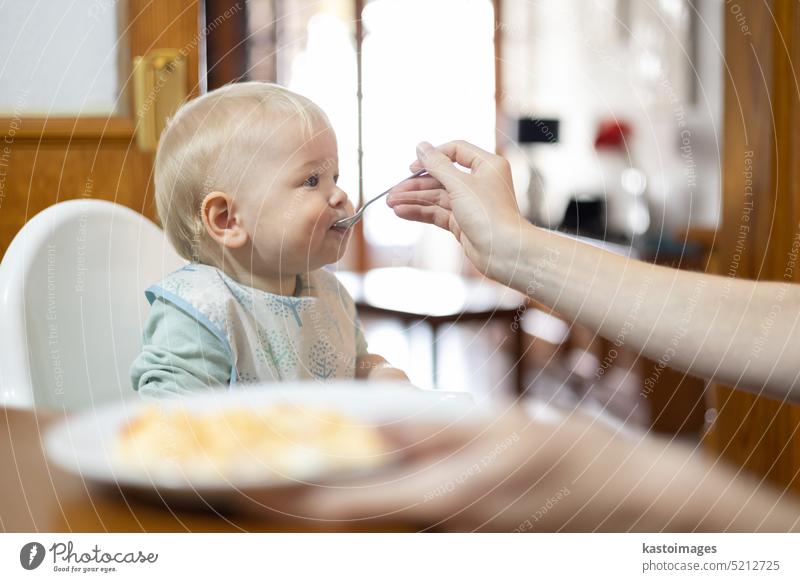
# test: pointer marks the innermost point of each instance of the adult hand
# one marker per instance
(513, 474)
(478, 207)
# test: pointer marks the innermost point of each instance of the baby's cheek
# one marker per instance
(311, 228)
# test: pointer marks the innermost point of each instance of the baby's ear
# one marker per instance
(221, 220)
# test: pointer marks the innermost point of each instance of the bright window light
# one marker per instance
(428, 74)
(326, 73)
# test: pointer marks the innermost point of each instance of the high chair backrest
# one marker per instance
(72, 303)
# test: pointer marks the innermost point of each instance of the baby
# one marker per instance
(246, 190)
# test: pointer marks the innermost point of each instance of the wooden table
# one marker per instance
(439, 299)
(36, 496)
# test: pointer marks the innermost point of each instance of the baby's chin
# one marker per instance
(329, 252)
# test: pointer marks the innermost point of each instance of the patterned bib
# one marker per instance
(271, 337)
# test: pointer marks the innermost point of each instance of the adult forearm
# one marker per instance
(739, 332)
(685, 491)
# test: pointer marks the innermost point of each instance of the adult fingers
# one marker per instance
(466, 154)
(442, 470)
(419, 183)
(421, 456)
(421, 438)
(429, 214)
(462, 152)
(437, 197)
(424, 491)
(440, 166)
(480, 162)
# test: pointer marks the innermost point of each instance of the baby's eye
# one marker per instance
(336, 179)
(311, 182)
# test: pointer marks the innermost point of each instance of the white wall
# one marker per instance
(59, 57)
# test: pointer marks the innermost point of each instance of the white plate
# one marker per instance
(85, 444)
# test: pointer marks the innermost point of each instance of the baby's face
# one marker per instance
(292, 203)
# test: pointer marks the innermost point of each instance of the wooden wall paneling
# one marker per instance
(169, 24)
(760, 215)
(792, 30)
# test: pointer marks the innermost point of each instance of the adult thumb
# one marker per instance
(439, 166)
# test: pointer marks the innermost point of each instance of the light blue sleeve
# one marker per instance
(179, 355)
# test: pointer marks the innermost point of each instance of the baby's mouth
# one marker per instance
(337, 228)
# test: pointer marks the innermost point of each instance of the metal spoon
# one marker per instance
(348, 222)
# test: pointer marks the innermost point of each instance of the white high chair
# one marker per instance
(72, 303)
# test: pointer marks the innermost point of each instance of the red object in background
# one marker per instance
(612, 133)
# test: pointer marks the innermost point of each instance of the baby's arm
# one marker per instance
(375, 367)
(372, 366)
(179, 355)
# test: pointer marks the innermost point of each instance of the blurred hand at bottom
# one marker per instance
(510, 473)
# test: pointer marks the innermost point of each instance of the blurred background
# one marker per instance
(610, 112)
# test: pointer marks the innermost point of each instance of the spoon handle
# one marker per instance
(384, 193)
(351, 220)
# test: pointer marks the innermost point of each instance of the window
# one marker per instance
(428, 77)
(424, 77)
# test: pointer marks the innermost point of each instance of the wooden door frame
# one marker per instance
(226, 44)
(50, 159)
(760, 214)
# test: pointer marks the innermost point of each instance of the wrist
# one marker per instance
(508, 249)
(526, 260)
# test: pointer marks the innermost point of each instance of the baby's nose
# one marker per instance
(338, 198)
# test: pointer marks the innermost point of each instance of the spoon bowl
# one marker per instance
(350, 221)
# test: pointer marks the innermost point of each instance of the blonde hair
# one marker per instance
(209, 146)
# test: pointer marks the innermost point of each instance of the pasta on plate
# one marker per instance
(277, 442)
